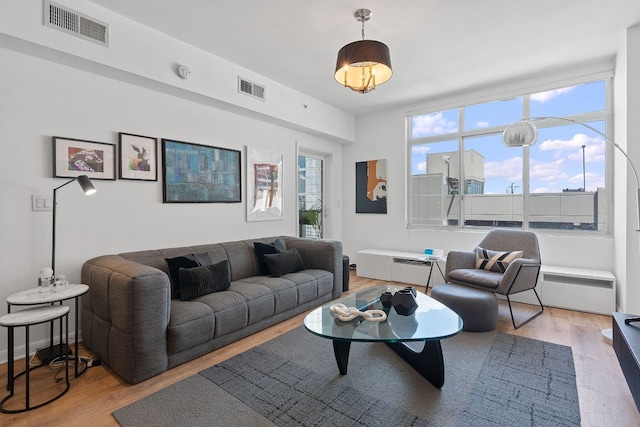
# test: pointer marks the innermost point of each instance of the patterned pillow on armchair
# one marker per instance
(495, 260)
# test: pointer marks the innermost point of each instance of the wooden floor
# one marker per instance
(605, 399)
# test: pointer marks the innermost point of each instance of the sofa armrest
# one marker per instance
(459, 259)
(320, 254)
(125, 315)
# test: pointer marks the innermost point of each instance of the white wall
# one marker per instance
(149, 58)
(628, 109)
(54, 84)
(41, 99)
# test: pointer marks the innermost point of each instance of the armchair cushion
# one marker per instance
(476, 278)
(497, 261)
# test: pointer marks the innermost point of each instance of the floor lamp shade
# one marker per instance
(88, 189)
(86, 184)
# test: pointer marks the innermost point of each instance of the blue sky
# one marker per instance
(557, 158)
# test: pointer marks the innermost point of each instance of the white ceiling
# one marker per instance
(437, 46)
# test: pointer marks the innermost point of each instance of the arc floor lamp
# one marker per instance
(88, 188)
(524, 133)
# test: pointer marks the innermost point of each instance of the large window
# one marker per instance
(463, 175)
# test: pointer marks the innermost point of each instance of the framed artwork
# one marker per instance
(371, 187)
(264, 185)
(195, 173)
(75, 157)
(138, 157)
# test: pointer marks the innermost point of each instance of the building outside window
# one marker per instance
(560, 183)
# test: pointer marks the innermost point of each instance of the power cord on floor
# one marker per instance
(83, 362)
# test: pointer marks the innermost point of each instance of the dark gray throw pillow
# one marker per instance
(285, 262)
(206, 279)
(186, 261)
(263, 249)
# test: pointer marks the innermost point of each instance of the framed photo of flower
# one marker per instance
(138, 157)
(75, 157)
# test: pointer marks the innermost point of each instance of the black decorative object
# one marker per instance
(404, 302)
(385, 299)
(411, 289)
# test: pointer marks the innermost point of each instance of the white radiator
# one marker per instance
(579, 289)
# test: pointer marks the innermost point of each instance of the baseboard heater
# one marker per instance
(588, 290)
(581, 281)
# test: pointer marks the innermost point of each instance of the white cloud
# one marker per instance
(593, 181)
(543, 97)
(572, 149)
(420, 149)
(482, 124)
(549, 172)
(420, 168)
(432, 124)
(509, 169)
(541, 190)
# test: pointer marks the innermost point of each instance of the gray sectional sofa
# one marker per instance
(130, 319)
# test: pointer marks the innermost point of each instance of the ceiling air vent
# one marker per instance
(71, 22)
(250, 88)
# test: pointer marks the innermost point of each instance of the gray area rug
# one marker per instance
(491, 379)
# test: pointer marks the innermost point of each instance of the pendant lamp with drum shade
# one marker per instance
(364, 64)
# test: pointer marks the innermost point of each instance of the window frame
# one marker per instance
(606, 115)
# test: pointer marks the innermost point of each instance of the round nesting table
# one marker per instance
(26, 318)
(52, 295)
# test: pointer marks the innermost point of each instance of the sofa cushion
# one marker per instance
(174, 265)
(192, 323)
(230, 309)
(285, 262)
(259, 299)
(495, 260)
(202, 280)
(285, 293)
(311, 284)
(187, 261)
(263, 249)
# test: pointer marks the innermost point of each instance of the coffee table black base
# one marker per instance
(341, 351)
(428, 362)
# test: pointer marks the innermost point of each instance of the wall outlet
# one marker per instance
(41, 203)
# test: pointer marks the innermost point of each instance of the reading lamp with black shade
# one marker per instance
(52, 352)
(524, 133)
(88, 188)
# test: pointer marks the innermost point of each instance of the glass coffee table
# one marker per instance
(431, 322)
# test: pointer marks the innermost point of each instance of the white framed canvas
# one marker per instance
(264, 185)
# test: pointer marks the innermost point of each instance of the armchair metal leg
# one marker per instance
(530, 318)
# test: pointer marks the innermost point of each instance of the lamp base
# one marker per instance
(48, 354)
